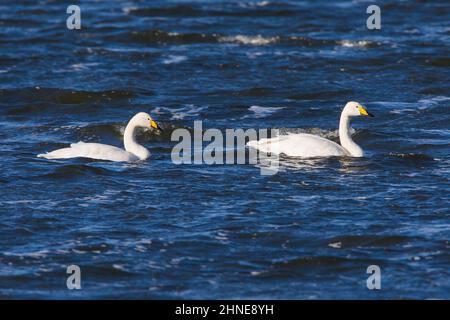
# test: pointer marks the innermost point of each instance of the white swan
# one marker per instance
(310, 146)
(133, 151)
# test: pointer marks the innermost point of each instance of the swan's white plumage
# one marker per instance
(311, 146)
(91, 150)
(133, 151)
(299, 145)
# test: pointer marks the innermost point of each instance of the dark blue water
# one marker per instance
(154, 229)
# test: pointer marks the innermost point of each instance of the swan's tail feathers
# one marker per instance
(64, 153)
(252, 143)
(267, 145)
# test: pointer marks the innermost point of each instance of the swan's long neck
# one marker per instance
(130, 143)
(346, 140)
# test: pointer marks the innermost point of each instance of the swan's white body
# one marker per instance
(311, 146)
(299, 145)
(93, 151)
(133, 150)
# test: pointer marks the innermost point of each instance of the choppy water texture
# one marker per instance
(157, 230)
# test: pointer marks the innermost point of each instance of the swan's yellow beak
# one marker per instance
(153, 124)
(364, 112)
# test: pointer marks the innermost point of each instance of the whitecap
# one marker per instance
(404, 110)
(261, 112)
(119, 267)
(180, 113)
(336, 245)
(251, 40)
(127, 10)
(441, 132)
(354, 44)
(430, 102)
(35, 254)
(255, 4)
(83, 66)
(174, 59)
(411, 107)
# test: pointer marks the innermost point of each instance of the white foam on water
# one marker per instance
(398, 107)
(172, 59)
(254, 4)
(251, 40)
(35, 254)
(410, 107)
(336, 245)
(261, 112)
(180, 113)
(253, 55)
(127, 10)
(83, 66)
(442, 132)
(432, 101)
(354, 44)
(119, 267)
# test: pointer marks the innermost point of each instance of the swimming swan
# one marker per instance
(133, 151)
(310, 146)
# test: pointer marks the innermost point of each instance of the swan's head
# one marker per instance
(143, 119)
(354, 109)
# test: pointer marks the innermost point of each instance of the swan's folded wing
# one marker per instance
(310, 146)
(79, 143)
(299, 145)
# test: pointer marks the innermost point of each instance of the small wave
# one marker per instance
(128, 10)
(418, 156)
(311, 261)
(300, 40)
(355, 44)
(68, 171)
(398, 107)
(59, 96)
(414, 107)
(404, 110)
(440, 132)
(330, 94)
(92, 248)
(368, 241)
(432, 101)
(180, 113)
(174, 59)
(254, 4)
(262, 112)
(435, 90)
(249, 9)
(439, 62)
(160, 36)
(185, 10)
(251, 40)
(83, 66)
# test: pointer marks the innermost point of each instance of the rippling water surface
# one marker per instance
(157, 230)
